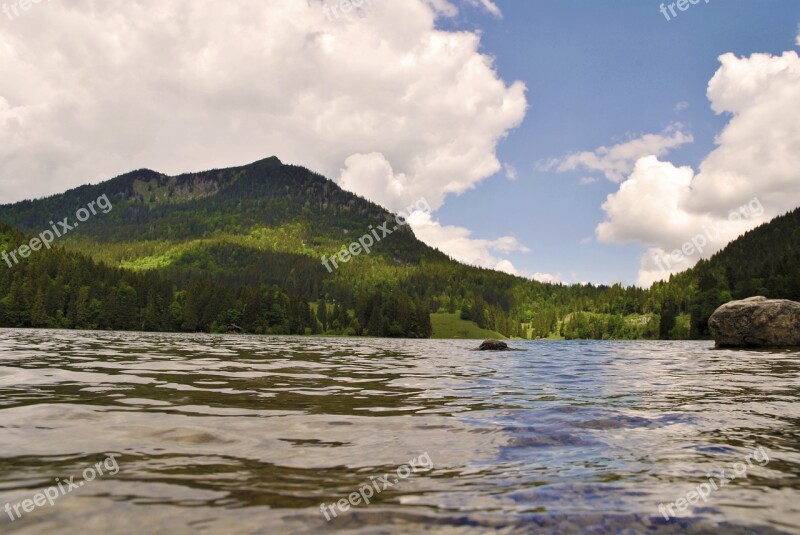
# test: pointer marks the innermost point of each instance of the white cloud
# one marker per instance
(489, 6)
(757, 157)
(680, 106)
(617, 161)
(758, 152)
(443, 7)
(506, 266)
(547, 278)
(458, 243)
(797, 41)
(646, 207)
(511, 171)
(508, 244)
(587, 180)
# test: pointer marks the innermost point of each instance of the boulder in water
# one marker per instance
(756, 322)
(493, 345)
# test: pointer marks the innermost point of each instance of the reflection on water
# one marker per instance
(229, 434)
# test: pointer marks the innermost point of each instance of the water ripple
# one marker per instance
(235, 434)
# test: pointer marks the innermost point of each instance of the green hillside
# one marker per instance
(447, 326)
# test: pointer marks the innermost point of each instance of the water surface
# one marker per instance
(237, 434)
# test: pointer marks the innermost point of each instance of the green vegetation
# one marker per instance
(447, 325)
(593, 326)
(239, 250)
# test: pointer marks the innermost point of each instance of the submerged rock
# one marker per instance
(756, 322)
(493, 345)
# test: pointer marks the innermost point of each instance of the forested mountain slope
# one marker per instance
(764, 261)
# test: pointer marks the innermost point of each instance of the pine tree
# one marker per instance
(667, 322)
(39, 317)
(375, 327)
(343, 317)
(322, 314)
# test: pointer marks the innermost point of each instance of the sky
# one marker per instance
(577, 141)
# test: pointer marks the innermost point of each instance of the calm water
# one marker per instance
(227, 434)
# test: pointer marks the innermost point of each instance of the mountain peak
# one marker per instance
(272, 161)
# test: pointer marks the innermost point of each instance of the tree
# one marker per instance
(424, 320)
(322, 314)
(478, 312)
(667, 322)
(377, 324)
(39, 317)
(466, 311)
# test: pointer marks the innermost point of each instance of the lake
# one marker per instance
(235, 434)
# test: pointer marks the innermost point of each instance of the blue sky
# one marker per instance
(598, 73)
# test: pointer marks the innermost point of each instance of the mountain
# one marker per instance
(241, 249)
(234, 248)
(284, 208)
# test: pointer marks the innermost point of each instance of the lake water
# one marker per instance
(235, 434)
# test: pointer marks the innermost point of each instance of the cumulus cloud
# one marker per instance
(752, 172)
(508, 244)
(651, 196)
(511, 171)
(458, 243)
(758, 152)
(489, 6)
(382, 101)
(617, 161)
(680, 106)
(506, 266)
(547, 278)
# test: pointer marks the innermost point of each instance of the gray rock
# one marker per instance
(756, 322)
(493, 345)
